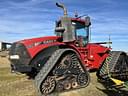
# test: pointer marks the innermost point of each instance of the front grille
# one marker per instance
(19, 49)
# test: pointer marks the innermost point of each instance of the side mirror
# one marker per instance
(87, 21)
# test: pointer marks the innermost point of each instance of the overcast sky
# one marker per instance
(20, 19)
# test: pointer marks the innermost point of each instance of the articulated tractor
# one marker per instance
(62, 62)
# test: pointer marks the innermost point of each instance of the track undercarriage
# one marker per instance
(115, 66)
(62, 72)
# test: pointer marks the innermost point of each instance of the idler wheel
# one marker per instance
(83, 79)
(48, 86)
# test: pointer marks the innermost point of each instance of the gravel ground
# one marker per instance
(19, 85)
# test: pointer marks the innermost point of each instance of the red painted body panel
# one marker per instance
(78, 20)
(96, 55)
(92, 55)
(35, 45)
(34, 40)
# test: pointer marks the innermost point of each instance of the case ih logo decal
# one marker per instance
(39, 43)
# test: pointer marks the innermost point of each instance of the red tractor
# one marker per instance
(61, 63)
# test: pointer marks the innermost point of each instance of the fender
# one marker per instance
(40, 59)
(49, 50)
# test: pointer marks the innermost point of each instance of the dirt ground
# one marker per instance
(19, 85)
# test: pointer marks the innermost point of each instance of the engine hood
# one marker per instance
(40, 40)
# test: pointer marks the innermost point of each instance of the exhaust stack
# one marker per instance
(63, 7)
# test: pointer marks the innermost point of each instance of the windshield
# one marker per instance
(81, 33)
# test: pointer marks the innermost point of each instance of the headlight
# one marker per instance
(14, 57)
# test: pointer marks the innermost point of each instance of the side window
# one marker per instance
(81, 32)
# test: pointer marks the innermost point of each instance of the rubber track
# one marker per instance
(110, 61)
(114, 60)
(40, 77)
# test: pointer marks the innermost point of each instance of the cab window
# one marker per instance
(81, 33)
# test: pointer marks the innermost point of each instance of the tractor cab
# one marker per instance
(81, 31)
(73, 29)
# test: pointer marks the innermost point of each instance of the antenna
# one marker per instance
(109, 38)
(76, 14)
(90, 35)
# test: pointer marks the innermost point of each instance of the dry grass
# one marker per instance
(14, 85)
(4, 62)
(18, 85)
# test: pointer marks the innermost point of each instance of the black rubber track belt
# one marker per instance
(111, 62)
(48, 66)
